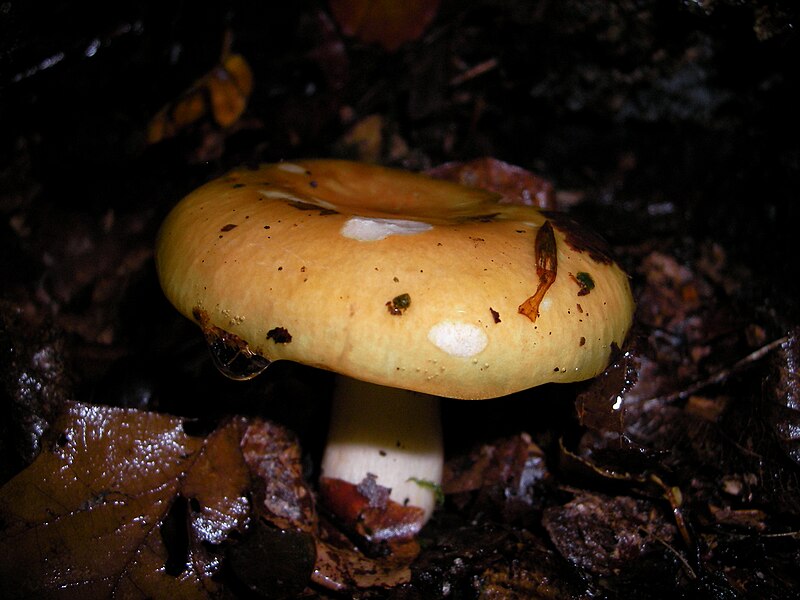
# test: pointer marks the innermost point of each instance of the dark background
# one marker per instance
(667, 124)
(670, 119)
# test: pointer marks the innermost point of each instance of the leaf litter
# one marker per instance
(122, 503)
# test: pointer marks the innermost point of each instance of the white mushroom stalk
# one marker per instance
(392, 434)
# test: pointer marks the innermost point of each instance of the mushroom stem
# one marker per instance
(390, 433)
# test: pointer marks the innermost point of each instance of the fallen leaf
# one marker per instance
(385, 22)
(34, 383)
(281, 494)
(601, 404)
(283, 498)
(222, 93)
(782, 395)
(515, 184)
(366, 510)
(510, 475)
(366, 138)
(604, 534)
(122, 503)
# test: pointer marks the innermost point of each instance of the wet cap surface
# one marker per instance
(393, 278)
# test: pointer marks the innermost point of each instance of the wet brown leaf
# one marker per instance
(366, 510)
(343, 567)
(601, 405)
(390, 24)
(122, 503)
(782, 394)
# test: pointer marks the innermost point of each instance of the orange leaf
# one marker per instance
(91, 517)
(229, 89)
(385, 22)
(222, 94)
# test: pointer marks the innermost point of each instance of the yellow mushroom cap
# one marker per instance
(393, 278)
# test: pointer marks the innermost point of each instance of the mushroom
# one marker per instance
(409, 288)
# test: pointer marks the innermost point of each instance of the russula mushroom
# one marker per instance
(409, 288)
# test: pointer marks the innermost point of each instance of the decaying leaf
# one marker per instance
(341, 566)
(388, 23)
(122, 503)
(509, 475)
(782, 394)
(515, 184)
(601, 405)
(283, 498)
(34, 382)
(603, 534)
(366, 510)
(536, 572)
(272, 563)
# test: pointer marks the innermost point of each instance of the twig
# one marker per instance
(723, 374)
(473, 72)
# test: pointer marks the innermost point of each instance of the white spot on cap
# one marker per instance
(458, 338)
(291, 168)
(284, 195)
(365, 229)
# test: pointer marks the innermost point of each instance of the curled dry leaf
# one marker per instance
(122, 503)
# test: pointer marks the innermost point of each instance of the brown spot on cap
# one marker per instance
(228, 227)
(398, 304)
(279, 335)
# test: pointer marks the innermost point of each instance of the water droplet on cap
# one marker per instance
(236, 362)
